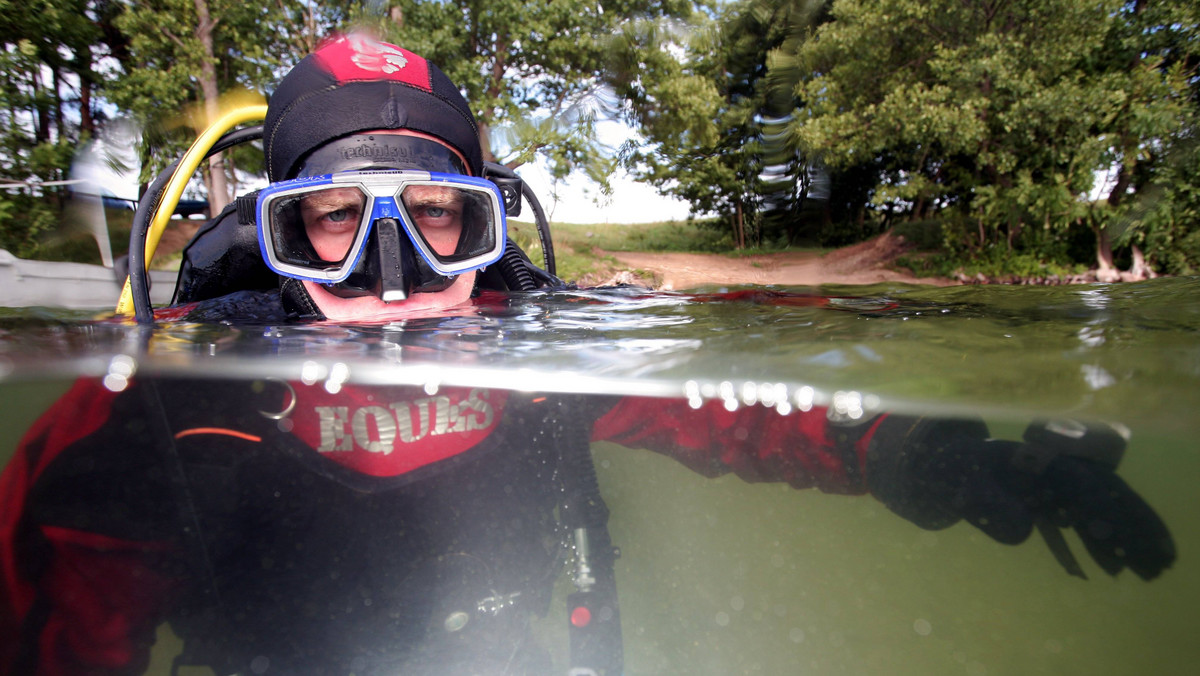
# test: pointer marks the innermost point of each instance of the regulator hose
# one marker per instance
(148, 207)
(539, 215)
(515, 269)
(543, 227)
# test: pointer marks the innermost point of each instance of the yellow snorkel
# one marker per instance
(128, 304)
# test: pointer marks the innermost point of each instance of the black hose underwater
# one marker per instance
(139, 276)
(596, 647)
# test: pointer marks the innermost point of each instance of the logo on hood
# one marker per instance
(376, 56)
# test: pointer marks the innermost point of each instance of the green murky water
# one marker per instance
(718, 576)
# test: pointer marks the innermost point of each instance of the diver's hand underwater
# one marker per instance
(935, 472)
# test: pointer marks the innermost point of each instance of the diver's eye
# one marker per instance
(338, 216)
(435, 212)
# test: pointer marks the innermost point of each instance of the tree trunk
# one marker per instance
(1107, 271)
(58, 103)
(1140, 270)
(218, 187)
(740, 226)
(1014, 229)
(493, 91)
(87, 124)
(42, 128)
(485, 141)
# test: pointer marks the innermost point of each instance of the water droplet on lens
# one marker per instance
(456, 621)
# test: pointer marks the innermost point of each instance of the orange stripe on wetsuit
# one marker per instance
(217, 430)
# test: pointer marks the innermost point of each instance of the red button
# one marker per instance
(581, 617)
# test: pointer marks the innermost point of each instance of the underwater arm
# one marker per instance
(935, 472)
(755, 442)
(84, 580)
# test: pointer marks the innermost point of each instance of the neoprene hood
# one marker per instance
(355, 84)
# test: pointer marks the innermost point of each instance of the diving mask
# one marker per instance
(327, 228)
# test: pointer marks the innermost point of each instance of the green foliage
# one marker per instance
(670, 235)
(176, 66)
(580, 248)
(531, 70)
(70, 239)
(665, 236)
(713, 124)
(1166, 217)
(995, 114)
(992, 264)
(43, 44)
(975, 127)
(24, 220)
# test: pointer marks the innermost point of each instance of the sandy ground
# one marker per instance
(865, 263)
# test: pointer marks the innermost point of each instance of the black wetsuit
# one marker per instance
(368, 530)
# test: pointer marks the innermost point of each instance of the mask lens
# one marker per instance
(317, 229)
(455, 223)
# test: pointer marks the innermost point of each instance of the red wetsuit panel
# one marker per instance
(755, 442)
(106, 598)
(80, 412)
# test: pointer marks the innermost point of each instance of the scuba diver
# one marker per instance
(281, 527)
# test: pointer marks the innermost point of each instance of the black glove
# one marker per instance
(934, 472)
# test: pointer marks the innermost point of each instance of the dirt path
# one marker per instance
(864, 263)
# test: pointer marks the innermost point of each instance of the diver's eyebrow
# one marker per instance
(434, 200)
(317, 201)
(440, 197)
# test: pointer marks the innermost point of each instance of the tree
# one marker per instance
(714, 128)
(1152, 196)
(997, 112)
(533, 72)
(189, 53)
(48, 53)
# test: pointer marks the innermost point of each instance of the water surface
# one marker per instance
(719, 576)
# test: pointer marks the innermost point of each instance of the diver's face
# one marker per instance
(437, 211)
(331, 220)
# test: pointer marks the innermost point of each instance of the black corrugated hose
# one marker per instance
(139, 280)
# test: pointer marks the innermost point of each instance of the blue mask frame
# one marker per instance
(283, 247)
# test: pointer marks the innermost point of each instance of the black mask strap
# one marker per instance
(296, 301)
(362, 152)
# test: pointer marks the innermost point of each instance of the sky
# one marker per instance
(580, 200)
